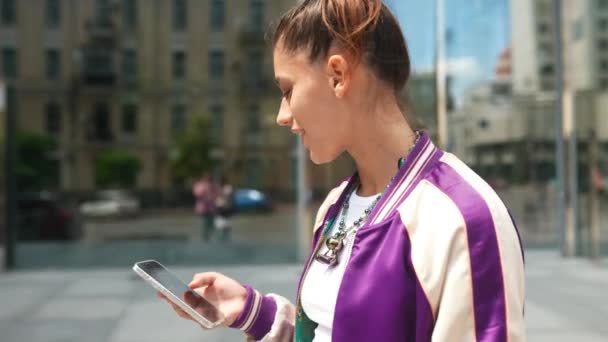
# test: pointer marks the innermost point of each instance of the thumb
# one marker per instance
(203, 279)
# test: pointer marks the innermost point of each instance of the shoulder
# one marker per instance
(474, 197)
(453, 200)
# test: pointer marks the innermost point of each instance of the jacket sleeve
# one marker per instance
(468, 262)
(269, 318)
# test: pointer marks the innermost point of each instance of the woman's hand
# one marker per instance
(224, 293)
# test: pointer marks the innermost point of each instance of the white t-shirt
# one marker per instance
(321, 285)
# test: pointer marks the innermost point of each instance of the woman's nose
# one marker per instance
(284, 117)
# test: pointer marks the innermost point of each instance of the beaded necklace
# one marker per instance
(335, 243)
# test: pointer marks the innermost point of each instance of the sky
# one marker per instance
(479, 31)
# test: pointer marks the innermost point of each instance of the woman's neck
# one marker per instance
(377, 148)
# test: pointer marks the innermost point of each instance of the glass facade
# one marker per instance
(128, 102)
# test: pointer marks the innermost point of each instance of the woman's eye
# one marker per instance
(287, 94)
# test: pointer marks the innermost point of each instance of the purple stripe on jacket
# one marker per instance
(387, 298)
(488, 286)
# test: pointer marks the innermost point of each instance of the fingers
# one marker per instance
(181, 313)
(203, 279)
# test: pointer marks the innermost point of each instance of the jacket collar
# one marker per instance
(414, 164)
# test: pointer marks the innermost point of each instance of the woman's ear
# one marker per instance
(339, 74)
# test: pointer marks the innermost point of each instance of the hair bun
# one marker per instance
(349, 20)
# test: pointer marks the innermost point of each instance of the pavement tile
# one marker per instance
(53, 330)
(82, 309)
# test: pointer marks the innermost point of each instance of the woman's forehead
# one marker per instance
(288, 63)
(282, 55)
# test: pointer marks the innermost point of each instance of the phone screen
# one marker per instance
(181, 290)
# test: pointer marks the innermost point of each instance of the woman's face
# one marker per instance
(311, 104)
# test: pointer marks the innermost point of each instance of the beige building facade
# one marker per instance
(132, 75)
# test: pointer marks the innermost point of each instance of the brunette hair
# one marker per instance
(365, 28)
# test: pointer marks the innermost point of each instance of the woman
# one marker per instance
(225, 209)
(205, 193)
(599, 182)
(414, 246)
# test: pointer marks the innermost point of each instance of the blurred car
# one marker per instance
(111, 203)
(40, 216)
(251, 200)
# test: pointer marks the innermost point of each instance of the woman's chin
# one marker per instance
(319, 159)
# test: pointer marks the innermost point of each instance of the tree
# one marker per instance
(193, 151)
(36, 168)
(116, 168)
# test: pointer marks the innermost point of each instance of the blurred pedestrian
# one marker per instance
(414, 246)
(205, 194)
(598, 180)
(225, 209)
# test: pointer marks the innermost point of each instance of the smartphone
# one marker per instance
(167, 283)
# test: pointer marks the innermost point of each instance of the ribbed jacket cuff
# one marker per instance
(258, 315)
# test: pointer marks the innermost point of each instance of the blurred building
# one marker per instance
(533, 32)
(505, 128)
(585, 52)
(586, 68)
(420, 95)
(504, 136)
(129, 74)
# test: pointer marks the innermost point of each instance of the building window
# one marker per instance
(256, 15)
(255, 67)
(543, 28)
(178, 119)
(253, 118)
(602, 24)
(578, 29)
(103, 10)
(484, 124)
(129, 65)
(216, 65)
(547, 70)
(603, 4)
(53, 64)
(8, 12)
(602, 44)
(98, 66)
(130, 14)
(53, 13)
(9, 63)
(217, 123)
(545, 50)
(53, 118)
(129, 118)
(101, 123)
(180, 19)
(253, 173)
(179, 65)
(217, 15)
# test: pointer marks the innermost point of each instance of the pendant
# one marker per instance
(330, 257)
(334, 243)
